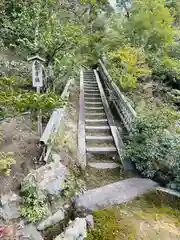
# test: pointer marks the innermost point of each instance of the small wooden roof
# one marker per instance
(36, 57)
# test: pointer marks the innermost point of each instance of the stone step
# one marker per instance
(104, 165)
(94, 108)
(95, 120)
(89, 74)
(93, 98)
(101, 149)
(95, 114)
(98, 115)
(91, 90)
(93, 103)
(99, 138)
(90, 85)
(91, 94)
(97, 129)
(113, 194)
(90, 81)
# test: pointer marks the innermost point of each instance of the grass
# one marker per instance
(153, 216)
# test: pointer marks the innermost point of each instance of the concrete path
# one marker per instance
(113, 194)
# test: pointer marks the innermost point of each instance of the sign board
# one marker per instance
(37, 74)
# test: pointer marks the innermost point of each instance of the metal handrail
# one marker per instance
(123, 107)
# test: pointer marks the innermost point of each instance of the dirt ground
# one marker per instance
(66, 146)
(19, 139)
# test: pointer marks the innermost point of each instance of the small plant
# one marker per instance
(34, 205)
(72, 186)
(6, 161)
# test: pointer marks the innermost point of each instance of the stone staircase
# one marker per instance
(100, 147)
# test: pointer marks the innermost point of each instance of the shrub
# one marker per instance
(168, 69)
(127, 65)
(6, 161)
(154, 149)
(34, 205)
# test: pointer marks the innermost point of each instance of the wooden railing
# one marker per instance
(123, 107)
(54, 125)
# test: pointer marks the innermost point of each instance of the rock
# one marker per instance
(50, 178)
(56, 157)
(30, 233)
(112, 194)
(13, 231)
(52, 220)
(76, 230)
(148, 89)
(10, 207)
(90, 221)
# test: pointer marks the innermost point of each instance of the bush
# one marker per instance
(154, 149)
(166, 68)
(34, 205)
(6, 161)
(127, 65)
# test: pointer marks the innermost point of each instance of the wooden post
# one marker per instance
(37, 80)
(39, 117)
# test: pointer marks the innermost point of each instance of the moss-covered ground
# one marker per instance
(154, 216)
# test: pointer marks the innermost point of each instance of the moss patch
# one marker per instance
(148, 217)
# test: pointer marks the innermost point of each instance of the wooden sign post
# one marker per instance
(37, 81)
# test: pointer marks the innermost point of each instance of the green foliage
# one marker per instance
(34, 205)
(154, 149)
(6, 161)
(72, 187)
(166, 68)
(13, 99)
(128, 64)
(34, 102)
(174, 96)
(150, 24)
(148, 27)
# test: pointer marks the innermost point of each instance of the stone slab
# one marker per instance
(113, 194)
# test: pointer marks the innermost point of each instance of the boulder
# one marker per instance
(52, 220)
(50, 178)
(56, 157)
(148, 89)
(18, 231)
(30, 233)
(112, 194)
(76, 230)
(90, 221)
(10, 207)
